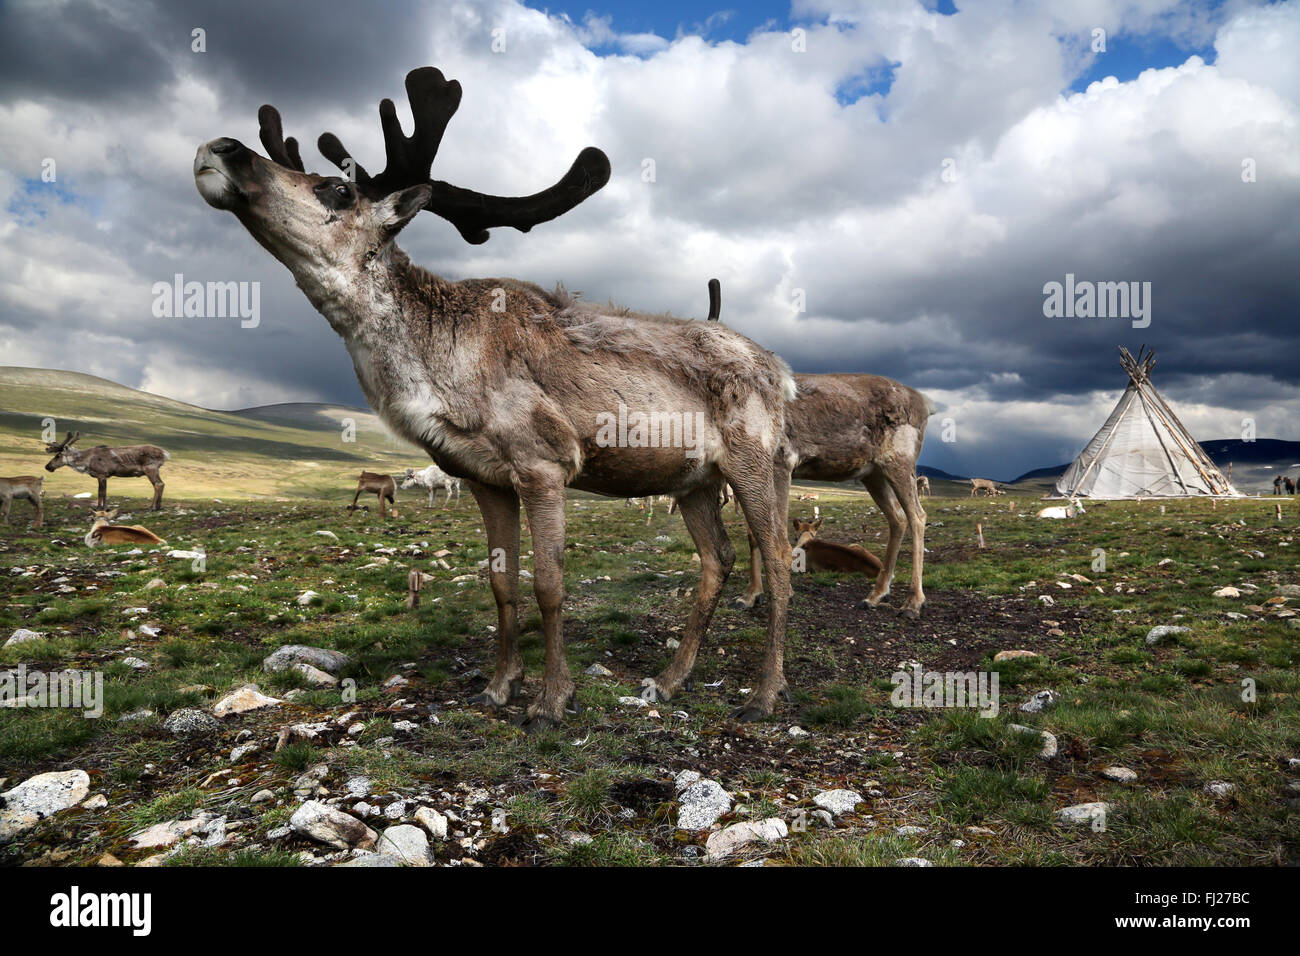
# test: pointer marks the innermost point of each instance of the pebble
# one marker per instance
(701, 805)
(1158, 634)
(913, 861)
(188, 722)
(723, 843)
(1083, 813)
(333, 827)
(838, 801)
(1120, 774)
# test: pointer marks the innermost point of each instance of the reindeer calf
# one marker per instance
(432, 478)
(101, 532)
(381, 485)
(22, 486)
(830, 556)
(1075, 507)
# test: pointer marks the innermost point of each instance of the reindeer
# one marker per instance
(101, 532)
(1075, 507)
(381, 486)
(922, 486)
(22, 486)
(857, 428)
(1290, 485)
(511, 387)
(103, 463)
(820, 555)
(986, 485)
(432, 478)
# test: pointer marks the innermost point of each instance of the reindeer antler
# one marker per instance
(434, 100)
(271, 132)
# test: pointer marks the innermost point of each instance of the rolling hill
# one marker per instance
(273, 450)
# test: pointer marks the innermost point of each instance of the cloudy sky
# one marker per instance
(915, 172)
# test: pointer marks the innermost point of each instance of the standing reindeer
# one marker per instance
(432, 478)
(863, 428)
(923, 486)
(986, 485)
(103, 463)
(22, 486)
(512, 388)
(382, 486)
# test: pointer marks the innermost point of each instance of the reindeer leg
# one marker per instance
(353, 506)
(905, 490)
(896, 516)
(103, 493)
(754, 485)
(755, 591)
(703, 517)
(500, 509)
(542, 493)
(4, 510)
(40, 511)
(155, 479)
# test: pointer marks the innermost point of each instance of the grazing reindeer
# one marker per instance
(512, 388)
(863, 428)
(101, 532)
(1290, 485)
(382, 486)
(986, 485)
(432, 478)
(923, 486)
(103, 463)
(1075, 507)
(22, 486)
(821, 555)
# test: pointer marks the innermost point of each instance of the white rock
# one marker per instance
(263, 796)
(1120, 774)
(838, 801)
(135, 663)
(185, 555)
(909, 831)
(328, 534)
(318, 657)
(242, 700)
(22, 636)
(1083, 813)
(685, 778)
(188, 721)
(725, 842)
(408, 843)
(39, 797)
(1158, 634)
(314, 676)
(701, 805)
(1048, 740)
(306, 597)
(1036, 704)
(97, 802)
(913, 861)
(598, 670)
(332, 827)
(1228, 592)
(433, 821)
(1220, 788)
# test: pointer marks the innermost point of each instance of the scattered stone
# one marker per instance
(1228, 592)
(263, 796)
(1289, 590)
(723, 843)
(243, 750)
(188, 722)
(598, 670)
(39, 797)
(408, 843)
(135, 663)
(1158, 634)
(436, 823)
(1036, 704)
(135, 715)
(1120, 774)
(405, 726)
(358, 787)
(314, 676)
(109, 860)
(913, 861)
(1083, 813)
(22, 636)
(1048, 740)
(332, 827)
(909, 831)
(328, 534)
(797, 731)
(318, 657)
(838, 801)
(1001, 656)
(367, 859)
(701, 805)
(1220, 788)
(242, 700)
(685, 779)
(154, 584)
(306, 597)
(98, 802)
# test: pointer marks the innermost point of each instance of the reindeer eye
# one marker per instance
(335, 194)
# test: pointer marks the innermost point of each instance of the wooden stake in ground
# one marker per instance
(979, 533)
(414, 581)
(1279, 511)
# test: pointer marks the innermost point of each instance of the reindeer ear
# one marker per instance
(395, 210)
(817, 523)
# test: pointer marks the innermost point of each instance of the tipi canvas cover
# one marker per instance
(1142, 451)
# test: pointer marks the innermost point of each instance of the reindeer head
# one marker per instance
(331, 224)
(805, 531)
(98, 517)
(60, 450)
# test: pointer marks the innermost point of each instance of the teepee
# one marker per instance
(1143, 450)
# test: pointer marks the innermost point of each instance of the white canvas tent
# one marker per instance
(1142, 451)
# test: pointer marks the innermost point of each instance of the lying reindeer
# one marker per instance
(101, 532)
(1075, 507)
(381, 485)
(830, 556)
(23, 486)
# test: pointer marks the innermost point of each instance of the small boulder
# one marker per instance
(408, 843)
(318, 657)
(1158, 634)
(332, 827)
(725, 842)
(1083, 813)
(1120, 774)
(1016, 655)
(22, 636)
(1049, 743)
(433, 821)
(838, 801)
(242, 700)
(36, 798)
(188, 722)
(701, 805)
(913, 861)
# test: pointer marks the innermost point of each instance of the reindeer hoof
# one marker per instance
(688, 685)
(651, 693)
(786, 695)
(483, 700)
(747, 715)
(536, 725)
(911, 613)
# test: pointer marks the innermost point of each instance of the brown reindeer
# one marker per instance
(513, 388)
(863, 428)
(818, 555)
(923, 486)
(382, 486)
(101, 532)
(103, 463)
(986, 485)
(22, 486)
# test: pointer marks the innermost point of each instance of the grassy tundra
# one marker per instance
(1173, 712)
